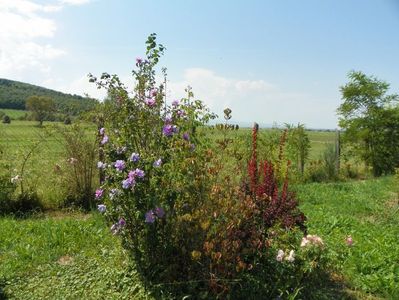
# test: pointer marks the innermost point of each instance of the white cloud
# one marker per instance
(250, 100)
(75, 2)
(22, 23)
(82, 86)
(253, 100)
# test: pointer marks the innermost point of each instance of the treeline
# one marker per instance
(13, 95)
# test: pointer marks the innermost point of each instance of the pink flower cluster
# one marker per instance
(349, 241)
(312, 240)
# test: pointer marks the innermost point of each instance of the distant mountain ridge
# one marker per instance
(13, 95)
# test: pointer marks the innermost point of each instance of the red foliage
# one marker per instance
(276, 206)
(241, 237)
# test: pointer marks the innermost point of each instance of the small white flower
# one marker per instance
(101, 165)
(280, 255)
(304, 242)
(72, 160)
(16, 179)
(291, 256)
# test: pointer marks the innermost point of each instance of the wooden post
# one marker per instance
(337, 150)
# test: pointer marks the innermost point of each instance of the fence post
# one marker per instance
(337, 149)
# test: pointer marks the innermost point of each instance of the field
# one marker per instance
(14, 114)
(72, 255)
(44, 150)
(47, 151)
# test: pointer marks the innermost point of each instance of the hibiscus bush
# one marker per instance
(188, 226)
(154, 169)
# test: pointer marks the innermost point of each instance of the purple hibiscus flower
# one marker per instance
(157, 163)
(128, 183)
(186, 136)
(181, 113)
(135, 157)
(101, 208)
(167, 130)
(121, 222)
(138, 173)
(104, 140)
(168, 119)
(175, 103)
(149, 217)
(119, 165)
(160, 213)
(150, 102)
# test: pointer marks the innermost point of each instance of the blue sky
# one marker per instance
(269, 61)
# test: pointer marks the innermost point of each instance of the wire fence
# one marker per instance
(37, 155)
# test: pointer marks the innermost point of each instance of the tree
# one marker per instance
(298, 145)
(6, 119)
(41, 107)
(370, 120)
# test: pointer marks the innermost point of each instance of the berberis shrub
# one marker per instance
(187, 230)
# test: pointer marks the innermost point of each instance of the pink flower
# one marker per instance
(150, 102)
(313, 240)
(99, 193)
(349, 240)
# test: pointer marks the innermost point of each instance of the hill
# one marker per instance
(13, 95)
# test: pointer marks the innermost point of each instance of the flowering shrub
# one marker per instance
(155, 171)
(184, 220)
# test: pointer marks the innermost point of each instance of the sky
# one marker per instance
(269, 61)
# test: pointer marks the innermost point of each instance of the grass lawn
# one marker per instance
(74, 256)
(369, 212)
(63, 256)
